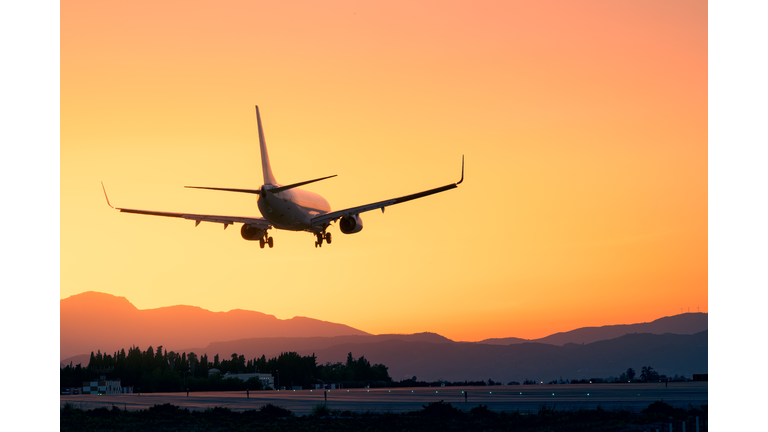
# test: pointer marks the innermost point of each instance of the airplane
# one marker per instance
(288, 207)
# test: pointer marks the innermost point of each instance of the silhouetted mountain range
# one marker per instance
(582, 353)
(686, 324)
(96, 321)
(430, 357)
(272, 347)
(457, 361)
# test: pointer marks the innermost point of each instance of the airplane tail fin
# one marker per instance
(266, 168)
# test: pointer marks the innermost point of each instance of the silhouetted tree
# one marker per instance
(648, 374)
(160, 358)
(630, 374)
(261, 364)
(192, 357)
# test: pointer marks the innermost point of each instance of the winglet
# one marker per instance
(462, 171)
(105, 194)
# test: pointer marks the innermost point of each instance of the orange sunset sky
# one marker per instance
(583, 124)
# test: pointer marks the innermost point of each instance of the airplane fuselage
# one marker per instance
(292, 209)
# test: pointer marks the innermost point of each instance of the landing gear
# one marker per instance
(266, 240)
(320, 237)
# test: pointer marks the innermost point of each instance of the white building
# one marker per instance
(103, 387)
(266, 379)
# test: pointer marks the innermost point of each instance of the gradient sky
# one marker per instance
(584, 126)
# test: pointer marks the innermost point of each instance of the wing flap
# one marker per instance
(226, 220)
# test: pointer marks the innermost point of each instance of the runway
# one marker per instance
(528, 398)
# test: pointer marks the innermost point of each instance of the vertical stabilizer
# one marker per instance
(266, 168)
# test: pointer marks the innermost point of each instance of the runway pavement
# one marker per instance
(528, 398)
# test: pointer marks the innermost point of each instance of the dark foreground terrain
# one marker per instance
(437, 416)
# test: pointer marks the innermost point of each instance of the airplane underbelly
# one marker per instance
(285, 215)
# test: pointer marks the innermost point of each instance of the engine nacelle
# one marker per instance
(251, 232)
(351, 224)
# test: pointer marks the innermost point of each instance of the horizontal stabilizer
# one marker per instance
(291, 186)
(253, 191)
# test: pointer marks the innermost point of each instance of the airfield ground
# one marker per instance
(528, 398)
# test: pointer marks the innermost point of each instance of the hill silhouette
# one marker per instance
(686, 324)
(582, 353)
(272, 347)
(93, 321)
(668, 354)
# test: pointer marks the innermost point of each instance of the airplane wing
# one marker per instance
(226, 220)
(332, 216)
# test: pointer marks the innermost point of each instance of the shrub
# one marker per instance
(482, 412)
(165, 408)
(219, 412)
(321, 410)
(440, 410)
(270, 410)
(659, 408)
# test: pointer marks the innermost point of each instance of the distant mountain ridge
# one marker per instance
(668, 354)
(272, 347)
(96, 321)
(431, 357)
(684, 324)
(93, 321)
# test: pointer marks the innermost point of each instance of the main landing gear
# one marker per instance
(320, 237)
(266, 240)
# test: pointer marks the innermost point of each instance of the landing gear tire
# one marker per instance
(262, 242)
(271, 242)
(315, 244)
(328, 238)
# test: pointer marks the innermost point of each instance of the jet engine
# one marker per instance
(351, 224)
(251, 232)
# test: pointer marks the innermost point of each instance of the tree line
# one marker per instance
(647, 374)
(155, 370)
